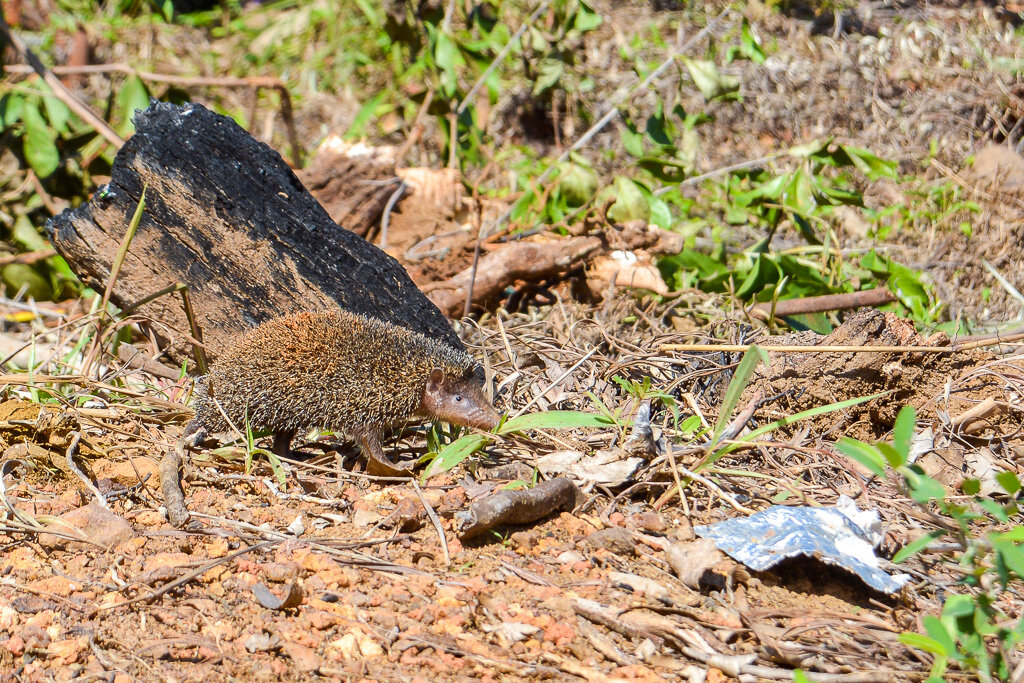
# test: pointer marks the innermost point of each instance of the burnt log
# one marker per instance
(225, 215)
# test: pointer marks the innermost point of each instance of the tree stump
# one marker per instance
(225, 215)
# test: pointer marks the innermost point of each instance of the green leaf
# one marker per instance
(1009, 482)
(455, 452)
(446, 52)
(38, 142)
(903, 431)
(813, 148)
(751, 46)
(1015, 535)
(372, 11)
(1011, 554)
(800, 193)
(656, 131)
(771, 189)
(602, 408)
(131, 97)
(689, 426)
(26, 236)
(58, 113)
(366, 112)
(866, 454)
(923, 488)
(709, 80)
(892, 456)
(21, 275)
(587, 19)
(578, 184)
(549, 71)
(917, 545)
(870, 165)
(554, 419)
(923, 642)
(994, 509)
(937, 630)
(957, 605)
(632, 140)
(763, 276)
(630, 203)
(11, 107)
(661, 214)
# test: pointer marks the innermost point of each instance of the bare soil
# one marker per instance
(383, 592)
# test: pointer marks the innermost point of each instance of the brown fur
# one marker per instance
(338, 371)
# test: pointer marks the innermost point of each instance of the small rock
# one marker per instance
(305, 658)
(96, 523)
(648, 521)
(32, 604)
(346, 646)
(150, 518)
(296, 528)
(365, 518)
(69, 650)
(261, 642)
(570, 556)
(8, 618)
(15, 645)
(166, 561)
(646, 649)
(998, 167)
(525, 540)
(279, 572)
(614, 539)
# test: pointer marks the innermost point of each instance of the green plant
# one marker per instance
(643, 390)
(449, 456)
(973, 630)
(759, 202)
(63, 153)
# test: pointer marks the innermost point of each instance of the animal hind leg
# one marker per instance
(283, 442)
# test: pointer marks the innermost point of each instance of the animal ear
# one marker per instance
(436, 378)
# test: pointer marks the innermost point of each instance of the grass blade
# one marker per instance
(740, 379)
(455, 452)
(122, 251)
(554, 419)
(792, 419)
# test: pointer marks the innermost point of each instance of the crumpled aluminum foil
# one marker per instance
(842, 536)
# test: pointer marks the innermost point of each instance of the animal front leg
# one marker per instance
(376, 462)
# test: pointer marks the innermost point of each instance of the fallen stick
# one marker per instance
(536, 261)
(878, 296)
(520, 506)
(742, 348)
(170, 485)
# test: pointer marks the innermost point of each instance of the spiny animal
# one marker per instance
(338, 371)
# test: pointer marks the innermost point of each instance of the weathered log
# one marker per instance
(225, 215)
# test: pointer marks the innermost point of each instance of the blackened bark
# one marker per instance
(225, 215)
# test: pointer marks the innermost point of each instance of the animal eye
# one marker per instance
(458, 398)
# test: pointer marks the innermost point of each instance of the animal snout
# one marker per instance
(484, 417)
